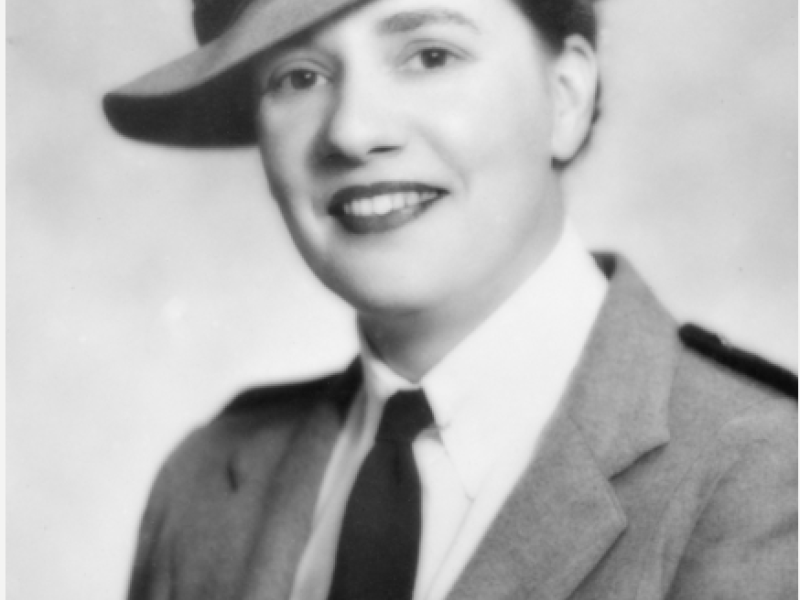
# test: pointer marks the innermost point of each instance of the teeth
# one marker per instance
(386, 203)
(383, 205)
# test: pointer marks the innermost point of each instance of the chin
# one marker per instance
(383, 295)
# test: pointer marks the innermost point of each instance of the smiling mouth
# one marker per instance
(382, 207)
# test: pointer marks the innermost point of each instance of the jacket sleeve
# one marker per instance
(150, 579)
(153, 567)
(744, 544)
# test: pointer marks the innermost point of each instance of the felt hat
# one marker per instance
(205, 98)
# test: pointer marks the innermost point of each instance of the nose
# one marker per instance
(363, 123)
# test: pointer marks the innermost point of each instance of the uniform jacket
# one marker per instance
(663, 475)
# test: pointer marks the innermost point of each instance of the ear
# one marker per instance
(575, 80)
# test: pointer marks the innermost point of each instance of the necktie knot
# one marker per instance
(405, 415)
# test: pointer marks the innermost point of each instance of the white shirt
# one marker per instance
(491, 397)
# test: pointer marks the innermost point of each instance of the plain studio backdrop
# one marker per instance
(148, 285)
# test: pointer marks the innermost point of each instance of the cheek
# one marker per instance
(285, 141)
(498, 141)
(501, 125)
(281, 162)
(520, 126)
(288, 185)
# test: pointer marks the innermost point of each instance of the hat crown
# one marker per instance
(212, 17)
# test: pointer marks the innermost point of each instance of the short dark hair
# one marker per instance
(558, 19)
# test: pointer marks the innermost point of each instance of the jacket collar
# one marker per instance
(620, 391)
(564, 515)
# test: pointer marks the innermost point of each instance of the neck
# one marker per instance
(412, 343)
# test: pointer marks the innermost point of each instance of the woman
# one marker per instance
(518, 424)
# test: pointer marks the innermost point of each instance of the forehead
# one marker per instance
(396, 17)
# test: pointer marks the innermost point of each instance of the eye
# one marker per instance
(297, 80)
(429, 59)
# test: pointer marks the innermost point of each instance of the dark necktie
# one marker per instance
(379, 543)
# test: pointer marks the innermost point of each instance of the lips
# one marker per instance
(382, 207)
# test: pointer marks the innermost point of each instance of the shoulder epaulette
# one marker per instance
(712, 346)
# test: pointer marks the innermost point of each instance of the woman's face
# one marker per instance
(410, 144)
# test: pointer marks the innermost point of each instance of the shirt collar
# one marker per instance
(505, 378)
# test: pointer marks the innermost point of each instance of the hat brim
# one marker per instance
(205, 99)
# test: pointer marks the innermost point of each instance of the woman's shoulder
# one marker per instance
(726, 393)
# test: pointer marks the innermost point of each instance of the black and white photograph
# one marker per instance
(402, 299)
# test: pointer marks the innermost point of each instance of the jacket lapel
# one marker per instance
(286, 526)
(557, 524)
(563, 515)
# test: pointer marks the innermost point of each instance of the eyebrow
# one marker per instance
(409, 21)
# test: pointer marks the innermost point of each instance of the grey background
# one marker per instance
(147, 285)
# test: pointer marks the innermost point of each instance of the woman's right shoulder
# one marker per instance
(270, 411)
